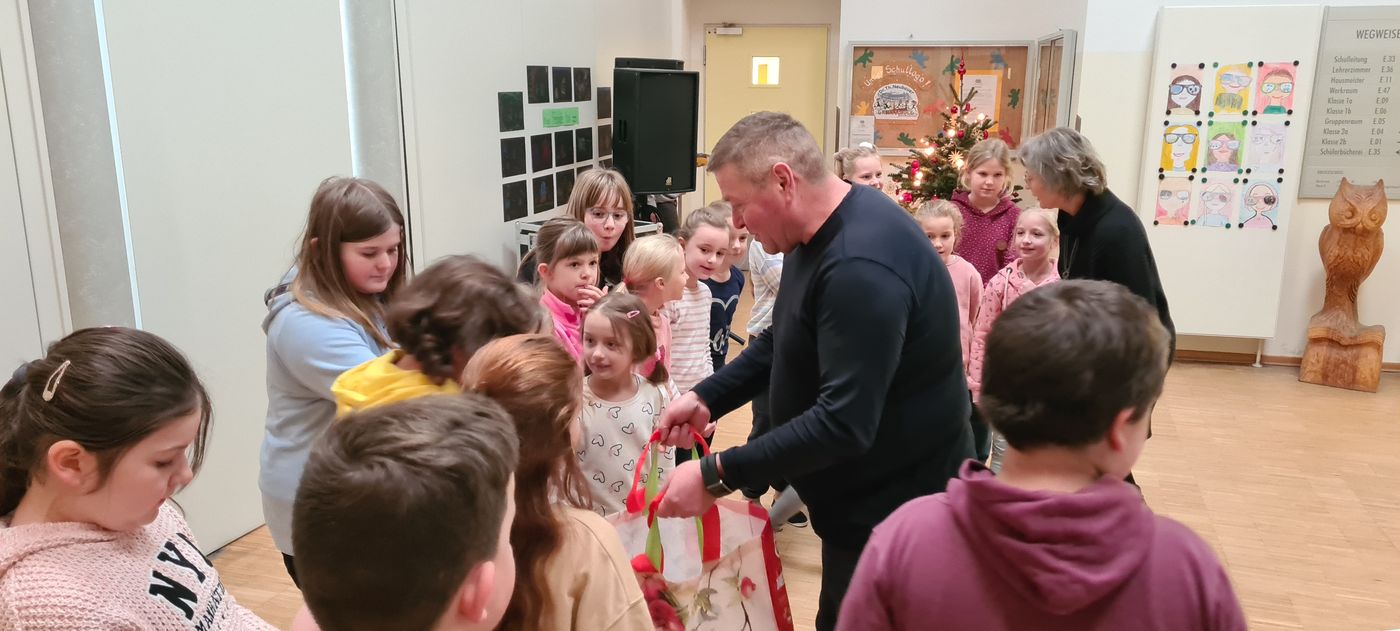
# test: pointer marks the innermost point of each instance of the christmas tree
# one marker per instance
(934, 165)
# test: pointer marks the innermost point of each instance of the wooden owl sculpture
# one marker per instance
(1341, 352)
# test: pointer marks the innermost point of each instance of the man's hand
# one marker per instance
(684, 415)
(685, 494)
(589, 296)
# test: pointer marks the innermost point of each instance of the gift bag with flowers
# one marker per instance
(719, 571)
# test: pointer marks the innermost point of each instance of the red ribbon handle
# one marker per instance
(636, 499)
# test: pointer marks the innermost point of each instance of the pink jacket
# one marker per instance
(968, 283)
(80, 576)
(662, 326)
(986, 238)
(1004, 288)
(568, 323)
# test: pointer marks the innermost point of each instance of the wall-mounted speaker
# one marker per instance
(655, 126)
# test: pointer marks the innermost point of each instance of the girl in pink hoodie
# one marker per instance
(94, 439)
(1037, 238)
(943, 225)
(989, 215)
(567, 255)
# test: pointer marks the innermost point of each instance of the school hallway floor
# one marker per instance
(1295, 486)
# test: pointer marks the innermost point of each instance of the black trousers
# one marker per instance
(838, 565)
(981, 433)
(291, 569)
(762, 423)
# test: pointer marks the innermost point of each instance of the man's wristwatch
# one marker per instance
(709, 474)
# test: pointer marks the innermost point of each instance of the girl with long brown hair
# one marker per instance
(95, 438)
(325, 317)
(571, 569)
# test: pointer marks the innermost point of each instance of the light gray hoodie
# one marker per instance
(306, 352)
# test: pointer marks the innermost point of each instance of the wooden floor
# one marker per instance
(1297, 487)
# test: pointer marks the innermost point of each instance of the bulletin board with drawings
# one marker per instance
(898, 92)
(1222, 150)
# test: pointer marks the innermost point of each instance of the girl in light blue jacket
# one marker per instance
(325, 317)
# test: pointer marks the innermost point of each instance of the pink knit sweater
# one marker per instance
(80, 576)
(1004, 288)
(967, 282)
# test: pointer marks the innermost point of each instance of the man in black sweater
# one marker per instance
(868, 395)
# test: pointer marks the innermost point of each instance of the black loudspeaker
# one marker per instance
(655, 124)
(644, 62)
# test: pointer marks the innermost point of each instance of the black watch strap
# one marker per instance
(709, 474)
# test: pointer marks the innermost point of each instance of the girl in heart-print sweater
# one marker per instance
(620, 409)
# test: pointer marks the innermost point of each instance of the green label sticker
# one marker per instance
(561, 117)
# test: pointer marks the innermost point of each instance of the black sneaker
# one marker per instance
(799, 520)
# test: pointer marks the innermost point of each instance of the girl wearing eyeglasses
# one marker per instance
(1224, 152)
(1180, 149)
(1184, 95)
(1215, 205)
(1231, 97)
(1258, 200)
(1276, 90)
(602, 200)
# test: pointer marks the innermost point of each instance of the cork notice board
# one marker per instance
(899, 92)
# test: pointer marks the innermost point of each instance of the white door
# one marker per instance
(20, 337)
(1053, 99)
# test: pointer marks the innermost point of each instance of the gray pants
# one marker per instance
(998, 451)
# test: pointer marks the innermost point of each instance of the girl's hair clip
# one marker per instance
(51, 386)
(632, 314)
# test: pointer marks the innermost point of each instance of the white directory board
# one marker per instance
(1228, 102)
(1354, 130)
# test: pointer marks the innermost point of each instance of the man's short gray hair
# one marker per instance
(1065, 161)
(759, 141)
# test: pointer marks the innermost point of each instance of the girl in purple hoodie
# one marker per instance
(989, 215)
(1057, 541)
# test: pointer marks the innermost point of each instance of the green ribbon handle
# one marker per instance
(653, 485)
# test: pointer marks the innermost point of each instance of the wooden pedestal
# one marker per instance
(1336, 359)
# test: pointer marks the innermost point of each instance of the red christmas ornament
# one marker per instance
(960, 134)
(915, 164)
(967, 108)
(953, 109)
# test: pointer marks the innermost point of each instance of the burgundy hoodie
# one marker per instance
(986, 240)
(985, 555)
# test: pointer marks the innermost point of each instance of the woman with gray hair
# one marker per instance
(1101, 238)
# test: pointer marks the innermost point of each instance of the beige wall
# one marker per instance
(454, 58)
(180, 192)
(1113, 92)
(702, 13)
